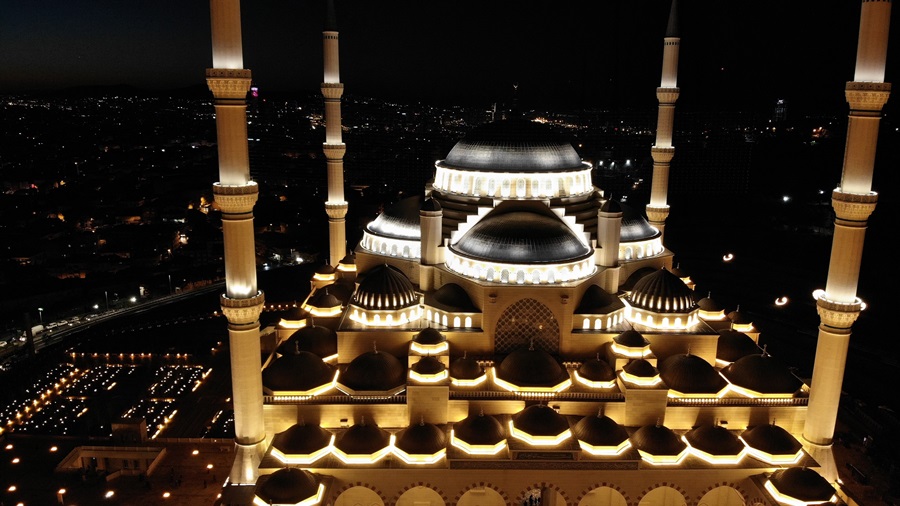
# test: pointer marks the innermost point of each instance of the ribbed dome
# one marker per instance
(596, 370)
(374, 371)
(771, 439)
(640, 368)
(522, 233)
(596, 300)
(714, 440)
(364, 438)
(301, 439)
(733, 345)
(763, 374)
(421, 439)
(428, 366)
(429, 336)
(384, 287)
(657, 440)
(479, 429)
(631, 339)
(287, 486)
(315, 339)
(635, 227)
(299, 372)
(451, 298)
(803, 484)
(466, 368)
(600, 431)
(513, 146)
(662, 292)
(540, 420)
(531, 368)
(400, 221)
(690, 374)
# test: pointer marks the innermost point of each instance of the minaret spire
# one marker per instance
(334, 147)
(663, 151)
(853, 201)
(235, 194)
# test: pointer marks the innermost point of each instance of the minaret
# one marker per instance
(430, 223)
(334, 147)
(663, 151)
(609, 234)
(853, 202)
(235, 194)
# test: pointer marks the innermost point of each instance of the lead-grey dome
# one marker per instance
(451, 298)
(531, 368)
(763, 374)
(690, 374)
(802, 484)
(400, 221)
(301, 439)
(297, 372)
(540, 420)
(600, 430)
(522, 233)
(315, 339)
(384, 287)
(287, 486)
(479, 429)
(714, 440)
(635, 227)
(662, 292)
(374, 371)
(657, 440)
(513, 146)
(421, 439)
(363, 438)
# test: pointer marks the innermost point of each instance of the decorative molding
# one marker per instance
(662, 155)
(334, 151)
(853, 206)
(242, 311)
(838, 315)
(867, 96)
(335, 495)
(231, 84)
(421, 484)
(595, 486)
(332, 91)
(336, 210)
(657, 214)
(731, 485)
(235, 199)
(482, 484)
(667, 95)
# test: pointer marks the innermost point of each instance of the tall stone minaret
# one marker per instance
(334, 147)
(663, 151)
(853, 202)
(235, 194)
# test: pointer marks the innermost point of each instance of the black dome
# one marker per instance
(429, 336)
(428, 365)
(600, 430)
(325, 269)
(771, 439)
(596, 370)
(287, 486)
(662, 292)
(521, 233)
(479, 429)
(690, 374)
(540, 420)
(301, 439)
(640, 368)
(530, 367)
(421, 439)
(635, 227)
(430, 205)
(733, 345)
(596, 300)
(739, 317)
(451, 298)
(466, 368)
(374, 371)
(763, 374)
(384, 287)
(315, 339)
(611, 206)
(324, 299)
(631, 339)
(803, 484)
(714, 440)
(513, 146)
(657, 440)
(364, 438)
(341, 289)
(400, 221)
(298, 372)
(708, 304)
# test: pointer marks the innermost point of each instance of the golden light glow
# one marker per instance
(631, 352)
(605, 451)
(594, 384)
(715, 459)
(468, 382)
(416, 459)
(364, 459)
(753, 394)
(675, 394)
(664, 460)
(790, 501)
(292, 324)
(742, 327)
(712, 315)
(346, 267)
(428, 378)
(476, 449)
(304, 459)
(323, 276)
(310, 501)
(319, 390)
(323, 312)
(565, 384)
(538, 440)
(640, 380)
(429, 349)
(769, 458)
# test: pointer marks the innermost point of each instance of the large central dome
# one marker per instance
(513, 146)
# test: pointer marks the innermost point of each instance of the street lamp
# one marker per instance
(106, 296)
(41, 314)
(170, 284)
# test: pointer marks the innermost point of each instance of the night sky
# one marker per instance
(734, 55)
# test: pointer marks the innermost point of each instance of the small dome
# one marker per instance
(540, 420)
(363, 438)
(295, 314)
(714, 440)
(640, 368)
(772, 440)
(384, 287)
(287, 486)
(429, 336)
(466, 368)
(761, 374)
(631, 339)
(521, 233)
(739, 317)
(429, 366)
(733, 345)
(690, 374)
(709, 305)
(421, 439)
(373, 371)
(596, 370)
(324, 299)
(301, 439)
(341, 289)
(611, 206)
(596, 300)
(451, 298)
(677, 270)
(399, 221)
(513, 146)
(662, 292)
(531, 368)
(803, 484)
(297, 372)
(325, 269)
(600, 431)
(430, 205)
(635, 227)
(658, 441)
(348, 260)
(479, 430)
(315, 339)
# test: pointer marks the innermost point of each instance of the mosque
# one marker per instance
(513, 336)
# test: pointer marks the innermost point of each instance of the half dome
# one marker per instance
(451, 298)
(399, 221)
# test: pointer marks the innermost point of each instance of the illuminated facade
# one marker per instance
(514, 333)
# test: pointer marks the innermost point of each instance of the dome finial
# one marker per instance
(658, 425)
(531, 344)
(302, 421)
(481, 411)
(375, 346)
(688, 350)
(362, 420)
(421, 420)
(600, 411)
